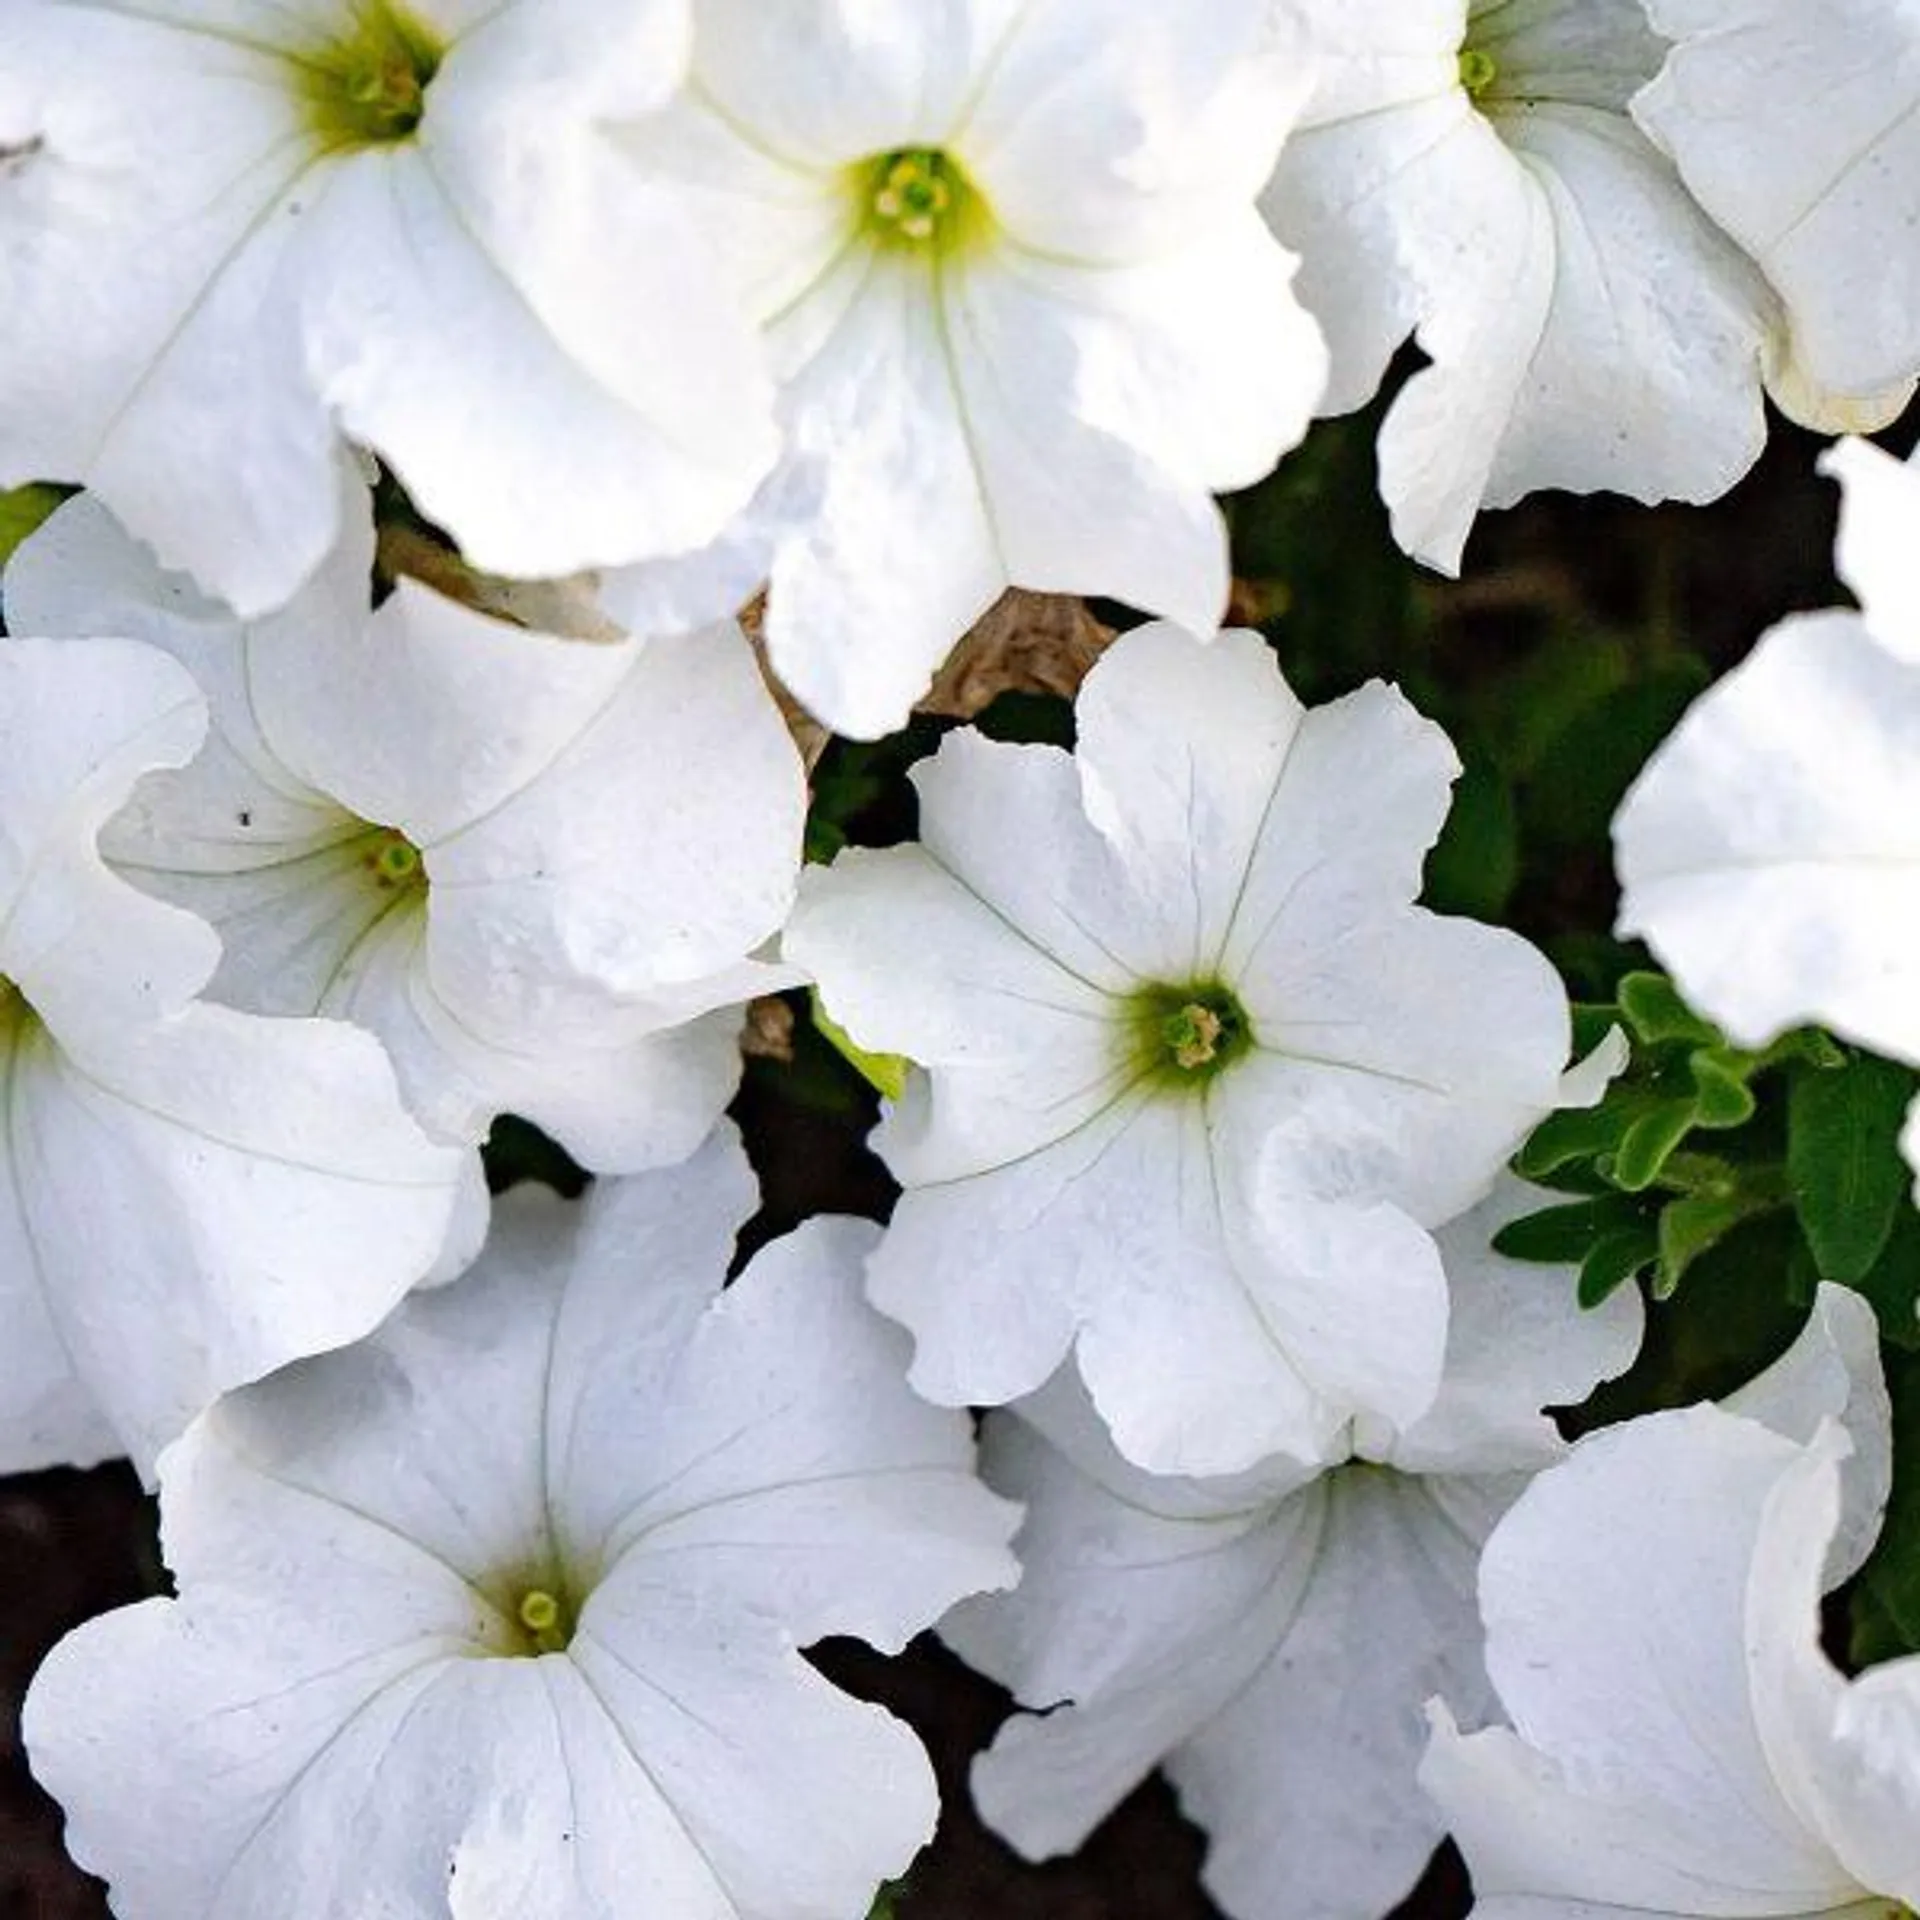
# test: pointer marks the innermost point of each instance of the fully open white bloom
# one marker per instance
(498, 1615)
(1193, 1075)
(1470, 174)
(1798, 129)
(536, 869)
(1766, 852)
(1010, 272)
(1681, 1745)
(189, 1196)
(234, 231)
(1273, 1648)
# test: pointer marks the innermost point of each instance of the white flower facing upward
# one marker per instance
(1681, 1745)
(1766, 851)
(1011, 276)
(1470, 175)
(537, 869)
(1273, 1645)
(404, 222)
(1193, 1076)
(499, 1615)
(1798, 129)
(1273, 1642)
(189, 1196)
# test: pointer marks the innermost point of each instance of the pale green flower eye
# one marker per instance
(368, 87)
(394, 861)
(917, 197)
(1478, 71)
(1184, 1035)
(546, 1619)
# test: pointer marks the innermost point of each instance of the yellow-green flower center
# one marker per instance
(367, 87)
(546, 1619)
(1478, 70)
(916, 197)
(394, 861)
(1182, 1035)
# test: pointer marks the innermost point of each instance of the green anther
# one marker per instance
(545, 1620)
(1184, 1035)
(917, 197)
(394, 861)
(368, 87)
(1478, 71)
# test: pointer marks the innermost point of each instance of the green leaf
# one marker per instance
(1651, 1005)
(1892, 1283)
(1886, 1597)
(1646, 1145)
(1848, 1180)
(1722, 1097)
(1694, 1225)
(22, 511)
(1614, 1259)
(1572, 1134)
(1564, 1234)
(885, 1072)
(1475, 865)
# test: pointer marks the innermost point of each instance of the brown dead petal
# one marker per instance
(768, 1033)
(1026, 643)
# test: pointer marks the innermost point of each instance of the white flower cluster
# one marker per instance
(499, 1531)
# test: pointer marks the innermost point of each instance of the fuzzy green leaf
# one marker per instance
(1848, 1180)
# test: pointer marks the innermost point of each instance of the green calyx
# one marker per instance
(917, 198)
(1478, 71)
(395, 863)
(368, 87)
(545, 1618)
(1184, 1035)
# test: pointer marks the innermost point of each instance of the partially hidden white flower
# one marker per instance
(1193, 1075)
(1273, 1645)
(1680, 1743)
(1765, 852)
(501, 1612)
(1026, 317)
(1798, 129)
(1470, 175)
(403, 223)
(190, 1196)
(537, 869)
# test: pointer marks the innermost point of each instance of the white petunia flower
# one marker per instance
(233, 235)
(1764, 852)
(1798, 129)
(1273, 1647)
(1681, 1745)
(191, 1196)
(1469, 174)
(1010, 272)
(500, 1613)
(536, 869)
(1193, 1074)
